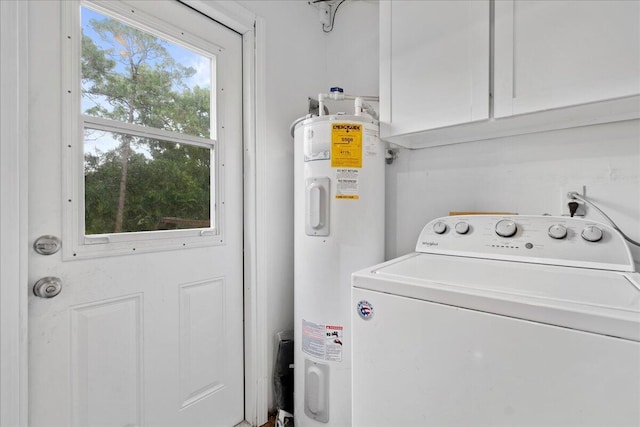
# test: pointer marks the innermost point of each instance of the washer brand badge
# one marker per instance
(430, 243)
(365, 310)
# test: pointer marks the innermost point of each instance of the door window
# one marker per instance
(146, 166)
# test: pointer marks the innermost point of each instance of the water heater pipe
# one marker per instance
(360, 105)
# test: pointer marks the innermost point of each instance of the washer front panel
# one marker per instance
(417, 363)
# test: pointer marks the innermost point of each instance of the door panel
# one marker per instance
(106, 385)
(150, 338)
(201, 327)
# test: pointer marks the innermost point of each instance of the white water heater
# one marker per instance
(339, 229)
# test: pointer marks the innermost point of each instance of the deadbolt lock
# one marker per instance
(47, 245)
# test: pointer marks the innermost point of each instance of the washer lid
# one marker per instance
(598, 301)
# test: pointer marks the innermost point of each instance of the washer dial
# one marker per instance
(557, 231)
(591, 233)
(462, 228)
(506, 228)
(439, 227)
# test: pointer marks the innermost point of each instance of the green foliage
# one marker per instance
(170, 185)
(131, 77)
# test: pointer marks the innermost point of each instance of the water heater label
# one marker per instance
(347, 183)
(313, 339)
(346, 145)
(333, 343)
(322, 341)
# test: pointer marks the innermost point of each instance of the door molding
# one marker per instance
(13, 213)
(252, 29)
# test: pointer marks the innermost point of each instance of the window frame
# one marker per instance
(77, 244)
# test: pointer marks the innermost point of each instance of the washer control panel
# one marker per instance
(528, 238)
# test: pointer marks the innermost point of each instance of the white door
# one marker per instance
(148, 326)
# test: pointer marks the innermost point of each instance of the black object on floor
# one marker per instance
(283, 371)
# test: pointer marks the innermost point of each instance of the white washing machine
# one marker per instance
(500, 321)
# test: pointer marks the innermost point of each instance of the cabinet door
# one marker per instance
(434, 58)
(551, 54)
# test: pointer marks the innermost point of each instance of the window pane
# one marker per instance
(134, 77)
(143, 184)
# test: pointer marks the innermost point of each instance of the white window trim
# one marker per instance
(146, 132)
(77, 245)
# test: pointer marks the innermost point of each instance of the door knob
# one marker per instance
(47, 287)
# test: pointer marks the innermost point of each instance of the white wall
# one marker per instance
(294, 72)
(352, 48)
(352, 52)
(527, 174)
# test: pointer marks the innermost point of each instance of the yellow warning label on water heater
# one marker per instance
(346, 145)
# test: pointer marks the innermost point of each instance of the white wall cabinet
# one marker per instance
(434, 64)
(551, 54)
(549, 64)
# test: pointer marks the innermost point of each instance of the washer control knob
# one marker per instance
(558, 231)
(462, 228)
(506, 228)
(591, 233)
(439, 227)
